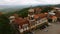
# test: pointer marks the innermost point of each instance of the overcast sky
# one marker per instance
(28, 2)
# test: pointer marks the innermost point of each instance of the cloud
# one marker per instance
(28, 2)
(49, 1)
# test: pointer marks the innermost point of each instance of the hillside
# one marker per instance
(23, 11)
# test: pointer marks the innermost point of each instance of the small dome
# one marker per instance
(12, 17)
(31, 10)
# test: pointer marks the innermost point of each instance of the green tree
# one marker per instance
(46, 9)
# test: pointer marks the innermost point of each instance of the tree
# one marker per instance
(46, 9)
(4, 25)
(23, 12)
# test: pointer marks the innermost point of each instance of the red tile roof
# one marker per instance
(42, 15)
(36, 16)
(21, 21)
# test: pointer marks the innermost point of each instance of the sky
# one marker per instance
(28, 2)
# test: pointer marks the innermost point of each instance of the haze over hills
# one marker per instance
(8, 8)
(11, 8)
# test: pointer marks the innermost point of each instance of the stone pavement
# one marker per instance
(53, 29)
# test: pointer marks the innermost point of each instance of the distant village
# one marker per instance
(36, 19)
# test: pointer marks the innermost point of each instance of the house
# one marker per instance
(36, 17)
(33, 20)
(57, 12)
(37, 10)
